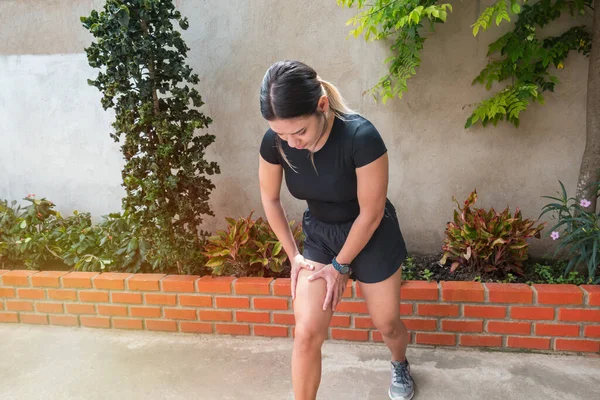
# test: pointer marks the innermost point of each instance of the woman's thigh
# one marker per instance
(308, 306)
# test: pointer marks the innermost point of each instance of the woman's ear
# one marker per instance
(323, 104)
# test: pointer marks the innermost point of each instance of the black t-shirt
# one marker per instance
(331, 194)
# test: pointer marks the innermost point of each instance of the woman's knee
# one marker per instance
(310, 335)
(391, 328)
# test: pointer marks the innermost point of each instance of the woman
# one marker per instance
(335, 160)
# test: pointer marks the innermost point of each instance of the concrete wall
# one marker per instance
(55, 135)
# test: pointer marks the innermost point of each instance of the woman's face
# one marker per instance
(302, 132)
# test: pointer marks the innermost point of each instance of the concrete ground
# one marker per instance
(61, 363)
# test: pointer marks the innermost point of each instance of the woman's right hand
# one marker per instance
(298, 262)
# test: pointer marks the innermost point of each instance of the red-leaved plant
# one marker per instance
(487, 241)
(248, 248)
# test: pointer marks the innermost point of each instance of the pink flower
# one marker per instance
(554, 235)
(585, 203)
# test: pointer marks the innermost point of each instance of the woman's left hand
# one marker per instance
(336, 284)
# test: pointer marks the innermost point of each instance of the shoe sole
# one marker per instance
(400, 397)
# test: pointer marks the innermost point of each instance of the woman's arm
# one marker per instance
(372, 183)
(270, 177)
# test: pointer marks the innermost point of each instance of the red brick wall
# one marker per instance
(470, 314)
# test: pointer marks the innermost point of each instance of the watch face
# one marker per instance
(345, 269)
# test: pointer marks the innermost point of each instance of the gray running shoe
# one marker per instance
(403, 386)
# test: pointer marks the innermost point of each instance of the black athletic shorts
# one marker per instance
(379, 259)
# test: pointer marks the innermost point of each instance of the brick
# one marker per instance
(463, 291)
(359, 307)
(18, 277)
(157, 325)
(511, 293)
(593, 294)
(178, 313)
(442, 339)
(282, 287)
(364, 323)
(272, 331)
(195, 300)
(16, 305)
(34, 319)
(165, 299)
(195, 327)
(127, 323)
(206, 315)
(179, 283)
(65, 320)
(558, 294)
(2, 272)
(592, 346)
(283, 319)
(148, 282)
(349, 334)
(233, 302)
(47, 278)
(95, 322)
(592, 331)
(514, 328)
(528, 343)
(406, 309)
(253, 285)
(438, 310)
(61, 294)
(82, 280)
(249, 316)
(93, 296)
(419, 290)
(578, 315)
(340, 320)
(414, 324)
(147, 312)
(377, 336)
(219, 284)
(126, 298)
(480, 341)
(270, 304)
(532, 313)
(80, 308)
(112, 310)
(484, 311)
(9, 317)
(52, 308)
(7, 292)
(111, 280)
(233, 329)
(556, 330)
(36, 294)
(462, 326)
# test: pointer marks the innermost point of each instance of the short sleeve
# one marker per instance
(268, 148)
(367, 145)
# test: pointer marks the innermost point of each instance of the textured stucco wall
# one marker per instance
(55, 138)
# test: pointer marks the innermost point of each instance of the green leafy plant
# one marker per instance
(488, 241)
(409, 270)
(248, 248)
(401, 22)
(580, 227)
(427, 274)
(524, 59)
(555, 275)
(145, 80)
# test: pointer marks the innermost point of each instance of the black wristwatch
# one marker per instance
(341, 268)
